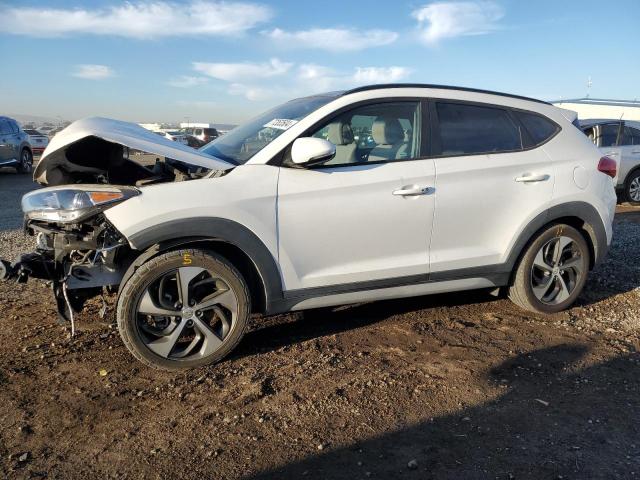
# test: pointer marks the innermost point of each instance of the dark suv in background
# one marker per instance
(15, 149)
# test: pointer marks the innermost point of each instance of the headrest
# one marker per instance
(387, 131)
(340, 133)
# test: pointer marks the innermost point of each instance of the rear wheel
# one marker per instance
(552, 272)
(183, 309)
(632, 188)
(26, 162)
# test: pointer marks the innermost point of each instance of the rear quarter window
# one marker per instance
(472, 129)
(539, 128)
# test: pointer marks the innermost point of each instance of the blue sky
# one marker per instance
(163, 60)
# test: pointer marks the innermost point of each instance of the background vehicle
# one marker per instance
(38, 141)
(619, 140)
(294, 213)
(15, 149)
(175, 136)
(202, 132)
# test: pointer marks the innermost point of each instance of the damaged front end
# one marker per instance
(88, 168)
(77, 249)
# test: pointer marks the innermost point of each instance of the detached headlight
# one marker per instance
(71, 204)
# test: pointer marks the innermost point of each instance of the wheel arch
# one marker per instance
(228, 238)
(580, 215)
(625, 184)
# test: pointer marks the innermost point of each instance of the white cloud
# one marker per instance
(333, 39)
(138, 19)
(304, 79)
(367, 75)
(252, 93)
(242, 72)
(93, 72)
(186, 81)
(440, 20)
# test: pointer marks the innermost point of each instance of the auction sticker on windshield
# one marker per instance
(281, 123)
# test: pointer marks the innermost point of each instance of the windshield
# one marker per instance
(243, 142)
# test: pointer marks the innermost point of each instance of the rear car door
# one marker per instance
(365, 216)
(629, 152)
(5, 141)
(608, 139)
(16, 138)
(489, 184)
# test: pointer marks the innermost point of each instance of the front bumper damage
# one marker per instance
(80, 262)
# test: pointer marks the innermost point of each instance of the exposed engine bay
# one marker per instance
(90, 166)
(93, 160)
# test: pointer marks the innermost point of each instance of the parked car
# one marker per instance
(174, 136)
(15, 149)
(204, 135)
(38, 140)
(619, 140)
(463, 189)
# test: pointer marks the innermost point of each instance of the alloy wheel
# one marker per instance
(25, 161)
(186, 313)
(557, 269)
(634, 190)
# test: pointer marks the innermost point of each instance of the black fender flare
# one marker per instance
(592, 224)
(166, 236)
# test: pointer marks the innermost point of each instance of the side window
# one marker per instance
(540, 129)
(4, 127)
(471, 129)
(14, 126)
(383, 132)
(608, 136)
(631, 136)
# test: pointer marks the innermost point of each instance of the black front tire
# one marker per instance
(129, 303)
(26, 161)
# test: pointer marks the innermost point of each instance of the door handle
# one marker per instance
(635, 151)
(528, 178)
(412, 190)
(612, 154)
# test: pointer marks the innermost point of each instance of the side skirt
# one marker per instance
(402, 287)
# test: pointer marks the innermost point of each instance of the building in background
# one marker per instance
(601, 108)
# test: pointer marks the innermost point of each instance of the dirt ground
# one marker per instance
(448, 386)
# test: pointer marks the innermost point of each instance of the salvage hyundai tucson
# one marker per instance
(379, 192)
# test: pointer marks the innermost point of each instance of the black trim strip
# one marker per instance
(440, 87)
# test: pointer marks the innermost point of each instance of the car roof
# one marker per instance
(590, 122)
(439, 87)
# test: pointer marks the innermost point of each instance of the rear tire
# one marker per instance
(552, 272)
(163, 333)
(26, 162)
(632, 188)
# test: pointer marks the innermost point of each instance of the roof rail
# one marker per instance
(442, 87)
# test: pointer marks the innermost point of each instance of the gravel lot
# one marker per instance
(448, 386)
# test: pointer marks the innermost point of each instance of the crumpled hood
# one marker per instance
(126, 134)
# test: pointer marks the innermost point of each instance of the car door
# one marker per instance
(629, 151)
(16, 138)
(608, 139)
(488, 186)
(5, 141)
(366, 215)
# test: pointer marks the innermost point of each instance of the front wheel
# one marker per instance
(552, 271)
(632, 188)
(26, 162)
(183, 309)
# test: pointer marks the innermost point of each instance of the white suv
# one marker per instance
(378, 192)
(619, 140)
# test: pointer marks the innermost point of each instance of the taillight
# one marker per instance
(608, 166)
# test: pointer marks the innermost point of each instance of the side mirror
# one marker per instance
(312, 151)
